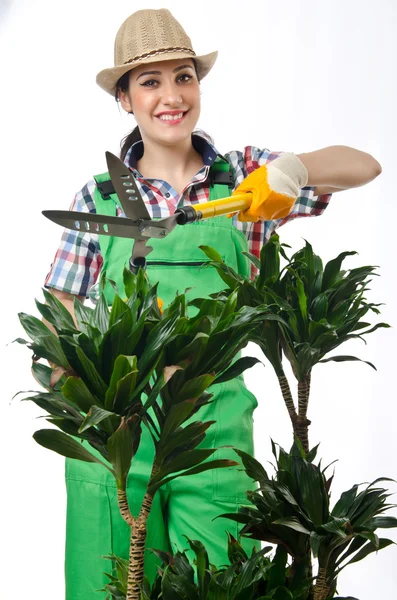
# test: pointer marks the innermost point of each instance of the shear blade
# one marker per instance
(126, 188)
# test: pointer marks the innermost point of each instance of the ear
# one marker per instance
(125, 101)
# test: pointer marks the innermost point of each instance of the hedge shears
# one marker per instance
(137, 223)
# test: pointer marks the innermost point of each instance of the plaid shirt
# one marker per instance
(78, 260)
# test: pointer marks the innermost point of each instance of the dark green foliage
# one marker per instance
(292, 510)
(318, 308)
(132, 365)
(244, 578)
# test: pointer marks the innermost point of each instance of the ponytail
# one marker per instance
(126, 143)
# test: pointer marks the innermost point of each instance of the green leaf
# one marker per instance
(343, 507)
(293, 523)
(129, 280)
(65, 445)
(75, 390)
(336, 526)
(195, 387)
(211, 253)
(252, 467)
(202, 564)
(211, 464)
(277, 573)
(269, 261)
(93, 378)
(368, 549)
(319, 307)
(191, 433)
(101, 314)
(382, 522)
(122, 366)
(254, 259)
(42, 374)
(84, 315)
(34, 327)
(94, 416)
(61, 315)
(238, 367)
(182, 462)
(332, 270)
(122, 446)
(117, 311)
(343, 358)
(177, 414)
(49, 347)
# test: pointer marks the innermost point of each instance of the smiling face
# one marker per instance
(165, 99)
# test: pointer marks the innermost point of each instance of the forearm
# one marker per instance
(340, 167)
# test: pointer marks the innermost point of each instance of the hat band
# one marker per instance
(162, 51)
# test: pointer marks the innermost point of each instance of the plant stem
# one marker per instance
(124, 507)
(300, 423)
(288, 400)
(137, 544)
(321, 588)
(137, 550)
(302, 426)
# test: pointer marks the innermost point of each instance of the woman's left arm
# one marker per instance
(338, 168)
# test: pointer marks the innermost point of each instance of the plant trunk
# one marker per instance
(124, 507)
(137, 550)
(321, 588)
(288, 400)
(299, 421)
(302, 425)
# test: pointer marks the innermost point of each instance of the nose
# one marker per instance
(171, 94)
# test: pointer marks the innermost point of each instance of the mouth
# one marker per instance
(172, 118)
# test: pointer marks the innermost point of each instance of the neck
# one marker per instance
(159, 160)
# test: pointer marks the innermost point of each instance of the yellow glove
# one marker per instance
(274, 188)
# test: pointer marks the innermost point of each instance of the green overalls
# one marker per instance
(188, 505)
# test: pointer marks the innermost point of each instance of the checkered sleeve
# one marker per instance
(306, 204)
(78, 260)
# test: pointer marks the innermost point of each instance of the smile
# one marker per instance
(172, 119)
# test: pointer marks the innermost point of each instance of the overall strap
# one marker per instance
(220, 178)
(105, 197)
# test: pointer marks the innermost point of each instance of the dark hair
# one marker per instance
(135, 135)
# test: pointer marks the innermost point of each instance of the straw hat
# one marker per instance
(149, 36)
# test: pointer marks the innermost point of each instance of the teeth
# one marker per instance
(171, 117)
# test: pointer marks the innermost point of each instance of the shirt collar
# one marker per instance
(200, 143)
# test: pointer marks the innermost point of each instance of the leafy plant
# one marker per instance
(292, 510)
(319, 308)
(116, 371)
(244, 578)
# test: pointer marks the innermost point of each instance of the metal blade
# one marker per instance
(115, 226)
(126, 189)
(95, 224)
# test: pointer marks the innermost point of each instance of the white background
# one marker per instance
(291, 75)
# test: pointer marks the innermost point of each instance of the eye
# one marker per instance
(149, 83)
(184, 77)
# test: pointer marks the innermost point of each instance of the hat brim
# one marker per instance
(107, 78)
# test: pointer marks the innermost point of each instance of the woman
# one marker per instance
(156, 77)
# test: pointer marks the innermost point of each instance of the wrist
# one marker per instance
(289, 164)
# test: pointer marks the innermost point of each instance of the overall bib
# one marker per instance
(188, 505)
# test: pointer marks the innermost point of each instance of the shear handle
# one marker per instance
(215, 208)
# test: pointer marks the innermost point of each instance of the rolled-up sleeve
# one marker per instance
(78, 260)
(306, 204)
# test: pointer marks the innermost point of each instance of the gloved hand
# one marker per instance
(274, 187)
